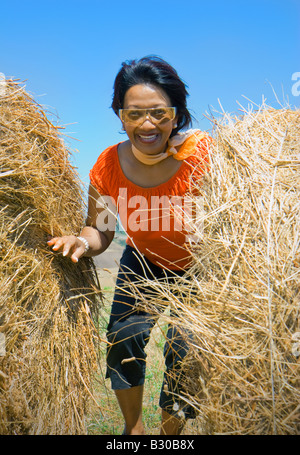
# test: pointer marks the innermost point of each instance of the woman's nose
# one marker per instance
(147, 122)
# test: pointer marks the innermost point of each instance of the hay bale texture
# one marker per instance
(246, 274)
(242, 373)
(48, 305)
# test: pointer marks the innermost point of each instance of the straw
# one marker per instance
(240, 299)
(48, 305)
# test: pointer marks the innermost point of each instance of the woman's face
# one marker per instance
(148, 137)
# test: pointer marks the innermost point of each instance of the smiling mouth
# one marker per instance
(147, 138)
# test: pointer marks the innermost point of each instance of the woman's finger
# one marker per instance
(60, 242)
(70, 245)
(56, 243)
(52, 241)
(75, 257)
(78, 253)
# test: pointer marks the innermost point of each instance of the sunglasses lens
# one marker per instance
(160, 114)
(157, 115)
(134, 115)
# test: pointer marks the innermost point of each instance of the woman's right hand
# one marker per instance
(68, 245)
(99, 237)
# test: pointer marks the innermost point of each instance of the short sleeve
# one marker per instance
(103, 170)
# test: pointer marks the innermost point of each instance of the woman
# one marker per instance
(146, 179)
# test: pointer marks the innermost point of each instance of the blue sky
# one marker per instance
(69, 52)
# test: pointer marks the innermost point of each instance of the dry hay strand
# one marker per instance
(240, 299)
(48, 305)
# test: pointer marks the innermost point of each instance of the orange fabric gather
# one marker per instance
(188, 147)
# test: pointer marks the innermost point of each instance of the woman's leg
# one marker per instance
(126, 363)
(130, 402)
(175, 409)
(128, 334)
(170, 425)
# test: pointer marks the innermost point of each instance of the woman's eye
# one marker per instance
(134, 115)
(158, 113)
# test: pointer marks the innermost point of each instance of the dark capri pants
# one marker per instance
(129, 331)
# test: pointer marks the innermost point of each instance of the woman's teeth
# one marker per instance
(148, 138)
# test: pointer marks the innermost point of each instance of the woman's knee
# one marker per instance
(126, 351)
(128, 338)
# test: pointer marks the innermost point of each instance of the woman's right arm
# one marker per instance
(98, 232)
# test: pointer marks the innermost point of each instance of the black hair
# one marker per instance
(155, 71)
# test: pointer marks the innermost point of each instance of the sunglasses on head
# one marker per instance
(156, 115)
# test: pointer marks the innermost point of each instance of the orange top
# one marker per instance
(154, 218)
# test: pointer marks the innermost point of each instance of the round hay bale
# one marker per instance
(48, 305)
(242, 373)
(246, 273)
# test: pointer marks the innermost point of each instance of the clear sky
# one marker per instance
(69, 52)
